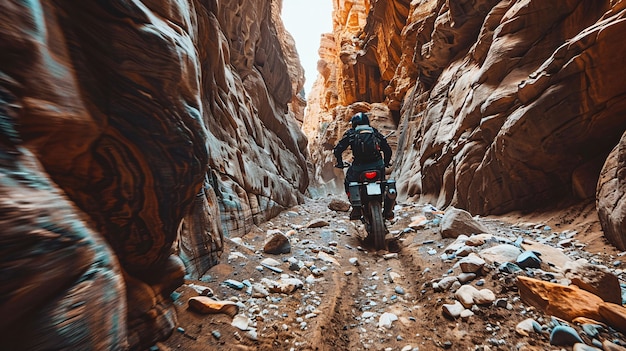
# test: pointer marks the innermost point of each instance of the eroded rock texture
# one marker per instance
(124, 124)
(611, 201)
(500, 105)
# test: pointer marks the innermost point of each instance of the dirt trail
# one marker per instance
(345, 305)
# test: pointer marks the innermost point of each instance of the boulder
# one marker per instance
(614, 315)
(550, 255)
(563, 335)
(276, 243)
(339, 205)
(595, 279)
(500, 253)
(457, 221)
(471, 264)
(453, 310)
(565, 302)
(317, 223)
(528, 259)
(207, 305)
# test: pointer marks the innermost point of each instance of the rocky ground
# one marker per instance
(331, 292)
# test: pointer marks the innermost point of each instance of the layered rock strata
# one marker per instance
(122, 125)
(499, 105)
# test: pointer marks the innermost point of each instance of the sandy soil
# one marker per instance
(333, 312)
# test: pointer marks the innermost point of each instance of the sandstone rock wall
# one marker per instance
(123, 124)
(499, 105)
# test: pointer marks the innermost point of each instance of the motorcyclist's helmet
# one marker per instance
(359, 118)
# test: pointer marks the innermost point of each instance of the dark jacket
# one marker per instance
(348, 138)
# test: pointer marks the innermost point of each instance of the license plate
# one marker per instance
(373, 189)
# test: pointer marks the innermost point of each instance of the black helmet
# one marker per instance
(359, 119)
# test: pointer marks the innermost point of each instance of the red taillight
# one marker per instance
(371, 175)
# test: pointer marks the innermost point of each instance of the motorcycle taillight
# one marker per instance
(371, 175)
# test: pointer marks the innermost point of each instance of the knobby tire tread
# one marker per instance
(377, 225)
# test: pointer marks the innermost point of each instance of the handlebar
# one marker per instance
(348, 164)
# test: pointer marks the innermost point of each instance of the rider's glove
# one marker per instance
(339, 165)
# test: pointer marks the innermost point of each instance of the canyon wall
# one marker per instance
(134, 134)
(498, 105)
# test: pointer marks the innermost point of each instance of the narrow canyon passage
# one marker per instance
(149, 149)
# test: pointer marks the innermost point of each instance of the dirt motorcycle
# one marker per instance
(368, 193)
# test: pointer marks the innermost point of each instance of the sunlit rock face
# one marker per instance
(349, 81)
(501, 105)
(132, 133)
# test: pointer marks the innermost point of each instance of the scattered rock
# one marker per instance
(591, 330)
(258, 290)
(240, 321)
(611, 346)
(549, 255)
(339, 205)
(234, 284)
(270, 262)
(327, 258)
(565, 302)
(484, 297)
(394, 277)
(445, 283)
(478, 239)
(528, 259)
(457, 221)
(465, 295)
(386, 319)
(317, 223)
(453, 310)
(465, 314)
(200, 289)
(500, 253)
(584, 347)
(419, 222)
(466, 277)
(527, 326)
(596, 279)
(457, 244)
(509, 267)
(276, 243)
(614, 315)
(564, 336)
(283, 285)
(471, 264)
(207, 305)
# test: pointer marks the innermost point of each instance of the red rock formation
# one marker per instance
(122, 125)
(570, 302)
(611, 196)
(500, 105)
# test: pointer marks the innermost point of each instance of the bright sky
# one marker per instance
(306, 20)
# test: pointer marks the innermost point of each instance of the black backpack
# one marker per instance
(365, 145)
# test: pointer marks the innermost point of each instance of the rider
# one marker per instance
(360, 120)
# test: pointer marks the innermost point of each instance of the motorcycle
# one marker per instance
(369, 192)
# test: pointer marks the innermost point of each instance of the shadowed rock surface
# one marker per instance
(499, 105)
(122, 125)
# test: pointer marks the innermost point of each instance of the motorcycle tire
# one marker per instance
(377, 225)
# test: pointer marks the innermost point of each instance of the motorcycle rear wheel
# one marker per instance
(377, 225)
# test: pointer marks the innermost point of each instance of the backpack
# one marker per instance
(365, 145)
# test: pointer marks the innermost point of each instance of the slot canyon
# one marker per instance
(167, 182)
